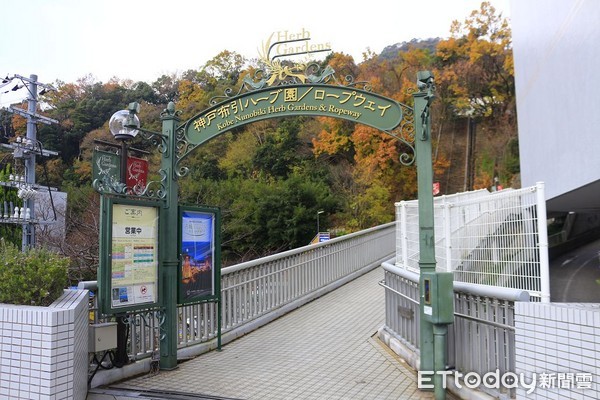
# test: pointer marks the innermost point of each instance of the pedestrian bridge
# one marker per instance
(327, 349)
(311, 323)
(331, 339)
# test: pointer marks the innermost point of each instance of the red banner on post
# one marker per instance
(137, 173)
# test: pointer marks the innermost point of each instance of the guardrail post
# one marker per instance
(543, 242)
(403, 233)
(447, 233)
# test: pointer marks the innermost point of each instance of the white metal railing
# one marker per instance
(255, 290)
(482, 337)
(495, 239)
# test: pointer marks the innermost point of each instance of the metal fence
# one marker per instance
(495, 239)
(482, 337)
(253, 292)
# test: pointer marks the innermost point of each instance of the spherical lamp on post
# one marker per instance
(124, 126)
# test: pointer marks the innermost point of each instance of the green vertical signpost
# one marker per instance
(436, 289)
(422, 101)
(169, 260)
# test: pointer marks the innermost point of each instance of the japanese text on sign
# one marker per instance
(322, 100)
(134, 255)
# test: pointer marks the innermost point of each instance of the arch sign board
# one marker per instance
(291, 100)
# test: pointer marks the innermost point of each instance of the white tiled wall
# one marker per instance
(43, 350)
(560, 343)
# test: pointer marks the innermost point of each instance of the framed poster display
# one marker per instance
(200, 254)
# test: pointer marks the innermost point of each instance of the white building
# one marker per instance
(557, 75)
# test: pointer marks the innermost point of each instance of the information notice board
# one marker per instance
(129, 271)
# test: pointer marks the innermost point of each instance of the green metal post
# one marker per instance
(169, 259)
(422, 99)
(440, 331)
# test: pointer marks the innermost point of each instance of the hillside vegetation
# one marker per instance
(270, 178)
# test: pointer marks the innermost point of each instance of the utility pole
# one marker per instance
(32, 147)
(28, 229)
(470, 154)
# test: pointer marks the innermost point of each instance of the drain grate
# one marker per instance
(155, 394)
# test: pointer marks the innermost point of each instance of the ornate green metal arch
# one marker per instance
(286, 90)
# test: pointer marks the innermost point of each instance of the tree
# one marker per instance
(80, 108)
(271, 177)
(278, 155)
(475, 65)
(166, 88)
(224, 69)
(6, 126)
(81, 243)
(141, 91)
(334, 139)
(475, 81)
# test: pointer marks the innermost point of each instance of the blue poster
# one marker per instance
(197, 254)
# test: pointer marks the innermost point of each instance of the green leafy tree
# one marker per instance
(261, 217)
(280, 152)
(223, 70)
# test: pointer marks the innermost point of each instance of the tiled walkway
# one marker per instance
(324, 350)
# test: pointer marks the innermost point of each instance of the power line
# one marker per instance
(12, 85)
(29, 157)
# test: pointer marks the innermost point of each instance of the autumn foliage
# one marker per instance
(272, 177)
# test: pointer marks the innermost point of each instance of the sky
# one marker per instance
(142, 40)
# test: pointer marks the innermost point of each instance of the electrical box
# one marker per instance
(437, 297)
(102, 337)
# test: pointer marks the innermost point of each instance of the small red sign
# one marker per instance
(436, 188)
(137, 173)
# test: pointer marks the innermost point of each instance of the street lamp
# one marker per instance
(124, 126)
(121, 126)
(318, 228)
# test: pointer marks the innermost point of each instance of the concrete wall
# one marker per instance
(43, 350)
(558, 339)
(556, 54)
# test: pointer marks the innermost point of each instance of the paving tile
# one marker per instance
(323, 350)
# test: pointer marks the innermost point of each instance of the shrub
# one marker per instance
(34, 277)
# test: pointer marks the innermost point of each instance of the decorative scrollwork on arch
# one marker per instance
(350, 82)
(280, 74)
(405, 133)
(154, 190)
(182, 149)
